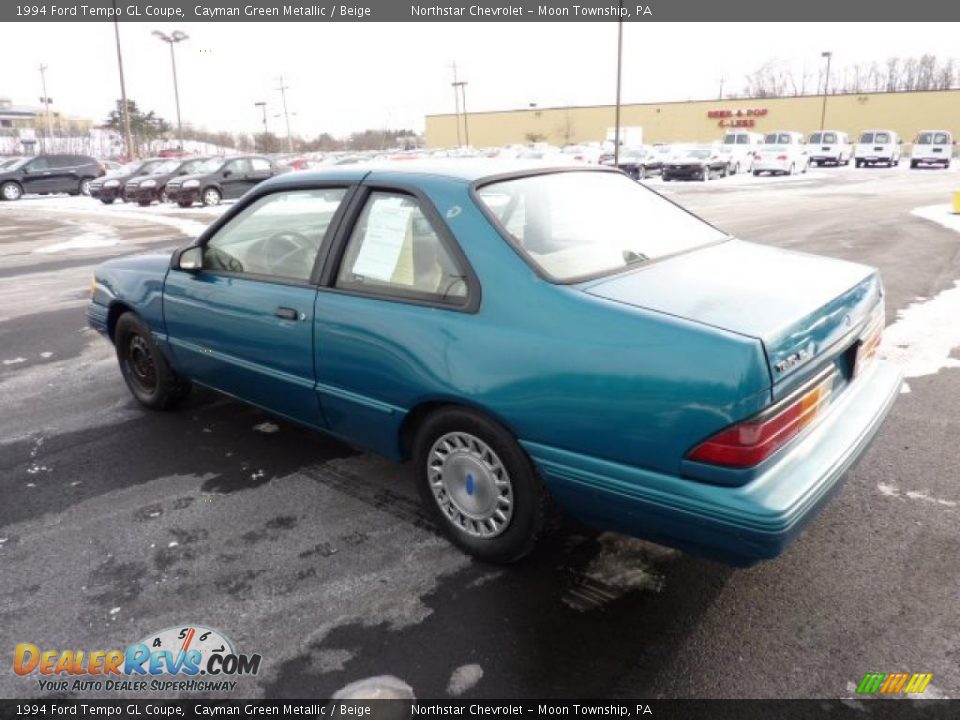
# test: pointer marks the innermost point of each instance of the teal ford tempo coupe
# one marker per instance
(525, 334)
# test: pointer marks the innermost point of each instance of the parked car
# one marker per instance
(782, 153)
(738, 148)
(664, 379)
(932, 147)
(110, 187)
(831, 147)
(878, 147)
(222, 178)
(48, 174)
(699, 162)
(640, 163)
(144, 189)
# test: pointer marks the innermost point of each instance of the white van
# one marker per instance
(829, 146)
(783, 152)
(877, 147)
(738, 148)
(932, 147)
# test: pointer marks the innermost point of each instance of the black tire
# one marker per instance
(756, 173)
(641, 173)
(84, 188)
(143, 203)
(184, 203)
(11, 191)
(211, 196)
(149, 377)
(107, 201)
(531, 503)
(666, 178)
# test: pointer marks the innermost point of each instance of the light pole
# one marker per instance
(172, 39)
(456, 101)
(616, 127)
(826, 82)
(262, 104)
(462, 87)
(286, 116)
(46, 103)
(124, 110)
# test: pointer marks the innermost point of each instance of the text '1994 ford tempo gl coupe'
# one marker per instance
(525, 333)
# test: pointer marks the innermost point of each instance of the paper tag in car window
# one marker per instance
(387, 224)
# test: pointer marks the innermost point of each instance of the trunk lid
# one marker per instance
(806, 310)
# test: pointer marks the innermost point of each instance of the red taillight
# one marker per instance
(751, 442)
(781, 157)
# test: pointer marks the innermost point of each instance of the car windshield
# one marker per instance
(192, 166)
(730, 140)
(779, 138)
(699, 153)
(167, 166)
(575, 225)
(14, 163)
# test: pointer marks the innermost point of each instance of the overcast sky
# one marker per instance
(351, 76)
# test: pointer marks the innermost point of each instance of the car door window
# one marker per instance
(237, 167)
(40, 163)
(279, 235)
(395, 250)
(259, 164)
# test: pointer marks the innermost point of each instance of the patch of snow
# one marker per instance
(464, 678)
(940, 214)
(267, 427)
(15, 361)
(87, 240)
(924, 335)
(891, 491)
(172, 544)
(46, 355)
(380, 687)
(905, 388)
(114, 611)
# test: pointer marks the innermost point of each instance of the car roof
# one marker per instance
(460, 170)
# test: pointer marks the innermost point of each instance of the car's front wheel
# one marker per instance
(480, 485)
(211, 196)
(107, 200)
(85, 186)
(145, 369)
(11, 191)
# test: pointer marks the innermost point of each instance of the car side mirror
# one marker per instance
(190, 260)
(227, 173)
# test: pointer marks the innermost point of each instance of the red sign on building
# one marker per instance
(741, 117)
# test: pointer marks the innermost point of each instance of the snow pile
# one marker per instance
(925, 334)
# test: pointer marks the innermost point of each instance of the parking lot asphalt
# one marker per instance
(117, 521)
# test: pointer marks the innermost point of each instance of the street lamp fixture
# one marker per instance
(172, 39)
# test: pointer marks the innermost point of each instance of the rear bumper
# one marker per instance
(736, 525)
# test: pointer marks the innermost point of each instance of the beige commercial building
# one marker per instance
(705, 120)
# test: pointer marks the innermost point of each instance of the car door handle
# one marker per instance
(286, 313)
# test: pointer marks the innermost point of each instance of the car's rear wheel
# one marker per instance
(211, 196)
(11, 191)
(705, 175)
(143, 203)
(107, 201)
(641, 173)
(480, 485)
(149, 377)
(85, 186)
(184, 203)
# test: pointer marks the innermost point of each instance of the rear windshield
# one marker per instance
(736, 140)
(825, 138)
(880, 137)
(778, 138)
(933, 139)
(575, 225)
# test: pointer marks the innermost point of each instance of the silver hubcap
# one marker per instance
(212, 198)
(85, 187)
(11, 192)
(470, 484)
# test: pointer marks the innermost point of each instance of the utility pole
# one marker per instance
(826, 82)
(286, 116)
(46, 103)
(462, 87)
(123, 88)
(456, 101)
(175, 37)
(616, 129)
(722, 80)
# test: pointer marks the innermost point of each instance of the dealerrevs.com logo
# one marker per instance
(186, 658)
